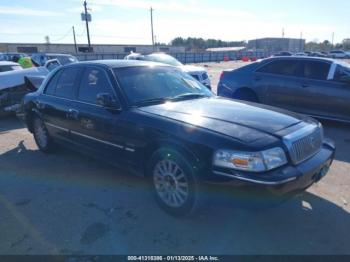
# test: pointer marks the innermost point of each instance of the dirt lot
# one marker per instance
(66, 203)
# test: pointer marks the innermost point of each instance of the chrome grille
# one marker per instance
(305, 144)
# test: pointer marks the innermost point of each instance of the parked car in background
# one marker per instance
(339, 54)
(12, 56)
(283, 53)
(301, 54)
(9, 66)
(15, 84)
(199, 73)
(158, 122)
(318, 54)
(315, 86)
(41, 58)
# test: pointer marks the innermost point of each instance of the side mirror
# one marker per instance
(106, 100)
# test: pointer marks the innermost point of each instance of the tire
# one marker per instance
(173, 183)
(41, 136)
(246, 95)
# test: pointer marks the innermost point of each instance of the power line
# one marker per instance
(64, 36)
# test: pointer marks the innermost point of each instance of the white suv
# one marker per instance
(199, 73)
(339, 54)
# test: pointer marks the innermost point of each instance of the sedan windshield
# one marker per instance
(153, 85)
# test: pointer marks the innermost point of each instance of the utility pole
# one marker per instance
(282, 32)
(87, 25)
(333, 40)
(151, 10)
(301, 42)
(75, 40)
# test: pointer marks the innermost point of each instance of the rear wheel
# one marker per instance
(41, 135)
(173, 182)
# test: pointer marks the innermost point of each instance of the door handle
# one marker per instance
(73, 113)
(304, 85)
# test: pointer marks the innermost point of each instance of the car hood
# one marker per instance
(243, 121)
(192, 69)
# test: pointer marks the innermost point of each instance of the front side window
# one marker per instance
(142, 84)
(316, 70)
(66, 82)
(51, 87)
(94, 82)
(281, 67)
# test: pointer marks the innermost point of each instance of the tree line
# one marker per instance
(200, 43)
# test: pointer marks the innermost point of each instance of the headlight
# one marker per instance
(250, 161)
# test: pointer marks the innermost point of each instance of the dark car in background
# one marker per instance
(11, 56)
(158, 122)
(315, 86)
(64, 59)
(283, 53)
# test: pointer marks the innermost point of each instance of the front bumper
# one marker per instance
(284, 180)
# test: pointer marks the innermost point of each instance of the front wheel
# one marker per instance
(41, 135)
(173, 182)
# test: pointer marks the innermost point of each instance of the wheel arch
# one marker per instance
(32, 113)
(170, 144)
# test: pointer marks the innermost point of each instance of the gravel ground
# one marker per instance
(66, 203)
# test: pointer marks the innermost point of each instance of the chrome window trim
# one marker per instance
(260, 182)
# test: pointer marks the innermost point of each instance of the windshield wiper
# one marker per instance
(188, 96)
(152, 101)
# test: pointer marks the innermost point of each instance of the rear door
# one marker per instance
(277, 81)
(56, 100)
(315, 92)
(96, 128)
(339, 104)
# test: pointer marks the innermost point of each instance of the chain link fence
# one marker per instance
(187, 57)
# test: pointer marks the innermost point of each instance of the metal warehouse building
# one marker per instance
(70, 48)
(277, 44)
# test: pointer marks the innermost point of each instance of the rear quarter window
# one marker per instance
(316, 70)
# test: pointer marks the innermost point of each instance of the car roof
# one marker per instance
(300, 58)
(119, 63)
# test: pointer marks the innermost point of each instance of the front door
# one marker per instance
(96, 128)
(277, 82)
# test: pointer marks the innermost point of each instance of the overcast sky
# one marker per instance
(128, 21)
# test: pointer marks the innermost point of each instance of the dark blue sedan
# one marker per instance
(159, 122)
(315, 86)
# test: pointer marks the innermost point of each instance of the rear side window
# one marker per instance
(94, 81)
(316, 70)
(281, 67)
(63, 83)
(51, 87)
